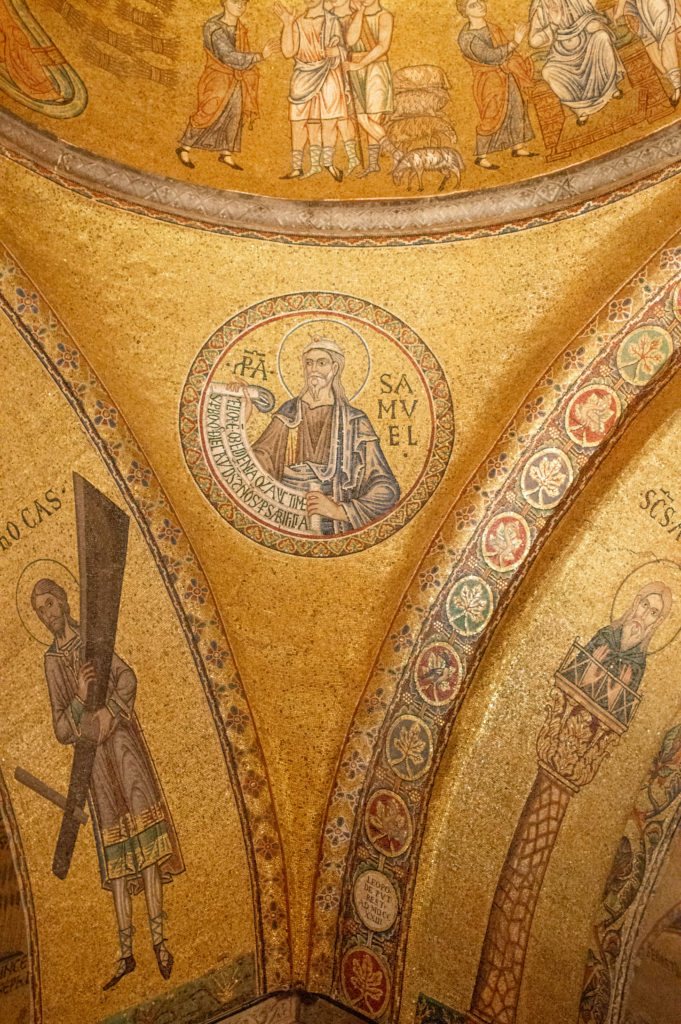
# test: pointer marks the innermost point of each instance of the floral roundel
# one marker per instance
(506, 541)
(316, 424)
(546, 478)
(643, 353)
(470, 603)
(366, 981)
(592, 415)
(388, 823)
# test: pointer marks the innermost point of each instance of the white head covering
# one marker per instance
(326, 345)
(337, 355)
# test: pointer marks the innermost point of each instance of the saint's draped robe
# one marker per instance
(582, 65)
(652, 20)
(131, 821)
(227, 90)
(317, 90)
(501, 77)
(611, 674)
(335, 450)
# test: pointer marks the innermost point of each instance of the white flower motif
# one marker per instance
(593, 412)
(549, 476)
(471, 600)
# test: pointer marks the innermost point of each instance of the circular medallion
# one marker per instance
(365, 981)
(643, 353)
(409, 748)
(506, 541)
(376, 901)
(438, 674)
(469, 605)
(546, 477)
(316, 424)
(591, 415)
(388, 823)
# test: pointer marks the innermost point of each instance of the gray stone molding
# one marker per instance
(489, 210)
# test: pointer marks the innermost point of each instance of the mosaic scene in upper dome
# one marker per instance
(344, 99)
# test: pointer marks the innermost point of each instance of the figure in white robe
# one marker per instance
(656, 22)
(583, 67)
(318, 100)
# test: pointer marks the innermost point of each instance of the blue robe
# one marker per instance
(346, 462)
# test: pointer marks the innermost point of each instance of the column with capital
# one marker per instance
(590, 709)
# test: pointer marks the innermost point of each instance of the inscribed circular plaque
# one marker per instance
(317, 424)
(376, 900)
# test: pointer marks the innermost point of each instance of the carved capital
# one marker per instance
(573, 741)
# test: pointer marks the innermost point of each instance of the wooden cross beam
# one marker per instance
(42, 789)
(102, 529)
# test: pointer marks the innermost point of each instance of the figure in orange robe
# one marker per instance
(501, 78)
(25, 62)
(227, 89)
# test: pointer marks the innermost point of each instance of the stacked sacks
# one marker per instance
(421, 92)
(417, 128)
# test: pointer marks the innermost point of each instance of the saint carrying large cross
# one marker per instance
(92, 694)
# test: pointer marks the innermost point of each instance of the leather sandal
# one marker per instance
(126, 965)
(164, 959)
(185, 163)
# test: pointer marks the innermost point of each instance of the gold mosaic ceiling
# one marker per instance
(407, 758)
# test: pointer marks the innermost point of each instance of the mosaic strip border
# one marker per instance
(498, 210)
(546, 421)
(190, 594)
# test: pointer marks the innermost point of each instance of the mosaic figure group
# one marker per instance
(340, 82)
(581, 63)
(342, 85)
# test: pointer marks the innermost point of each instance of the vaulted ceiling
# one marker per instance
(400, 755)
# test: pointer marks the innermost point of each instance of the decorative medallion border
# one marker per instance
(502, 209)
(354, 310)
(191, 597)
(561, 433)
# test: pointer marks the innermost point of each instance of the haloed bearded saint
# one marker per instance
(136, 842)
(622, 647)
(319, 444)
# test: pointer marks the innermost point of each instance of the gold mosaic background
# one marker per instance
(139, 299)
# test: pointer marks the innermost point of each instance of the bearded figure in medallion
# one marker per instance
(318, 443)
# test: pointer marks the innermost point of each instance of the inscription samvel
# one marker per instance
(400, 406)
